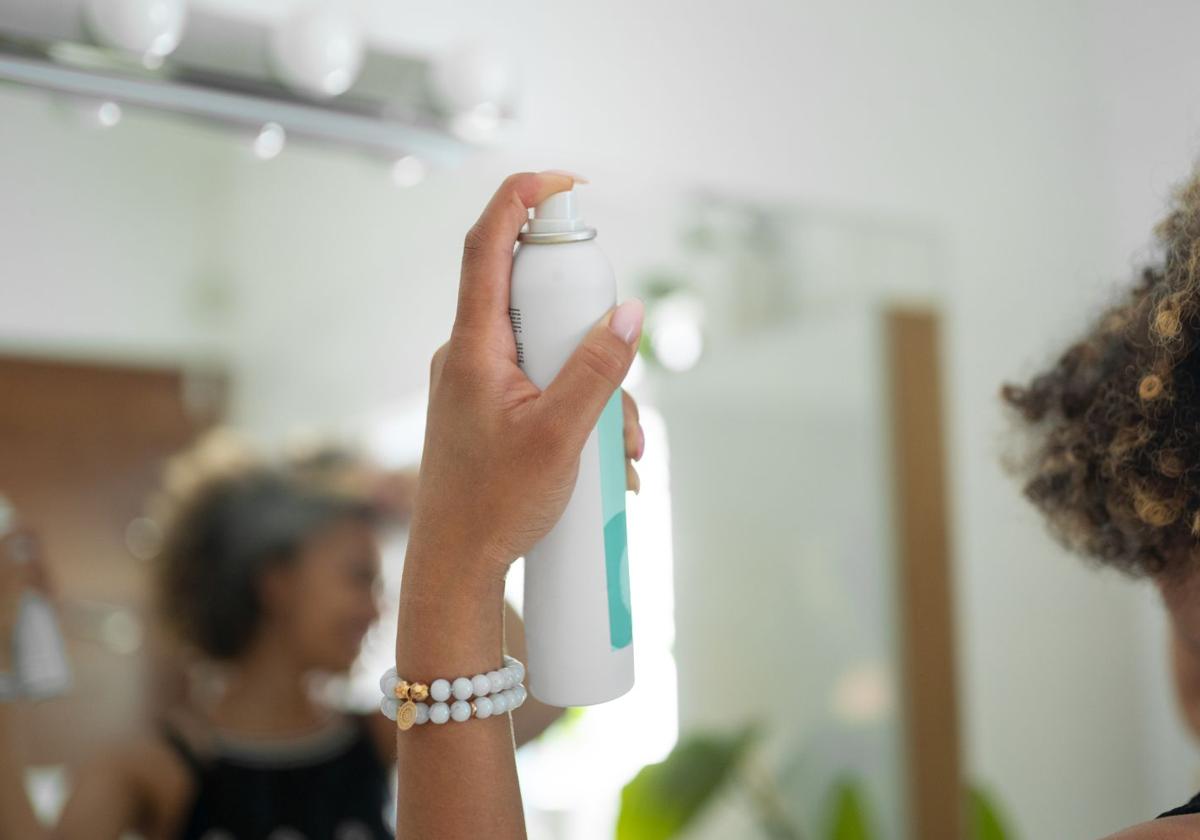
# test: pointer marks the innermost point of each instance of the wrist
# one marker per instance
(451, 618)
(442, 556)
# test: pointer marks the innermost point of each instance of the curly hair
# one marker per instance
(1115, 423)
(230, 519)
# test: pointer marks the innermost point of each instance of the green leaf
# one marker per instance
(984, 817)
(849, 818)
(664, 798)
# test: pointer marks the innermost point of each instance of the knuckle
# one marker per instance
(457, 366)
(475, 241)
(519, 185)
(605, 360)
(436, 362)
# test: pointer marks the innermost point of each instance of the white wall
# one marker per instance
(104, 235)
(1034, 137)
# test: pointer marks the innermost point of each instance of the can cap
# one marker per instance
(557, 214)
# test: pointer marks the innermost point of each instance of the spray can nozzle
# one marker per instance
(559, 213)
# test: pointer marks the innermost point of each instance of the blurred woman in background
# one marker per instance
(273, 575)
(1115, 457)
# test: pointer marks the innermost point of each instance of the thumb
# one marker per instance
(574, 400)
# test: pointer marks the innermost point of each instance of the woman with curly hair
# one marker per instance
(1114, 464)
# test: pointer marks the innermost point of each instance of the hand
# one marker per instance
(501, 456)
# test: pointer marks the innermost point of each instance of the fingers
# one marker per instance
(574, 400)
(436, 364)
(635, 442)
(488, 250)
(635, 437)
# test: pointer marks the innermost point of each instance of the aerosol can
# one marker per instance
(578, 623)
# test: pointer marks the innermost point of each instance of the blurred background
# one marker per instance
(851, 222)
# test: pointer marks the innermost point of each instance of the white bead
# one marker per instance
(422, 713)
(481, 685)
(511, 696)
(510, 677)
(439, 690)
(389, 705)
(520, 671)
(387, 683)
(439, 712)
(460, 710)
(495, 679)
(483, 707)
(514, 663)
(499, 703)
(462, 688)
(520, 693)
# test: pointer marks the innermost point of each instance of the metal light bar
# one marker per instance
(378, 135)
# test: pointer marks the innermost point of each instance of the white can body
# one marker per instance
(578, 623)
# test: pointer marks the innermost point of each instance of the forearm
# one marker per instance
(17, 820)
(456, 780)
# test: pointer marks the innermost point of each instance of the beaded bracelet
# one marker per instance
(495, 693)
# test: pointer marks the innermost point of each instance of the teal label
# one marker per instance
(610, 433)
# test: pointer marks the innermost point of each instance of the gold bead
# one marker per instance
(406, 715)
(474, 711)
(402, 690)
(418, 691)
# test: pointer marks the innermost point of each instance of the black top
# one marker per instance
(328, 786)
(1193, 807)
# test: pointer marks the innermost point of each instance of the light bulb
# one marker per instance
(481, 124)
(318, 50)
(108, 114)
(147, 28)
(90, 114)
(270, 141)
(408, 171)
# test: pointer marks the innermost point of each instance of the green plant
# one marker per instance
(983, 817)
(663, 800)
(849, 819)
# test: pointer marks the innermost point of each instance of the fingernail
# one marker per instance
(641, 447)
(633, 481)
(574, 176)
(626, 320)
